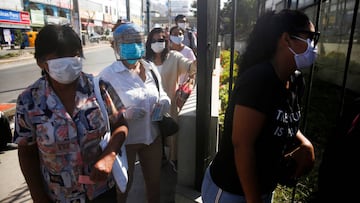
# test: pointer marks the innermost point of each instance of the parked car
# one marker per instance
(95, 37)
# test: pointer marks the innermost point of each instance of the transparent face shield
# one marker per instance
(128, 43)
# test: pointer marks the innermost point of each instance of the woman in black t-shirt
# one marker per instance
(263, 115)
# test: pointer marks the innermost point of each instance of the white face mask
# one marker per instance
(306, 59)
(177, 39)
(65, 70)
(158, 47)
(182, 25)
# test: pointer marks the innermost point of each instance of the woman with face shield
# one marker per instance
(59, 125)
(132, 78)
(262, 144)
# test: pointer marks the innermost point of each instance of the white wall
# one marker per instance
(15, 5)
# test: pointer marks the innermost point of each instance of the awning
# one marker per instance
(90, 24)
(19, 26)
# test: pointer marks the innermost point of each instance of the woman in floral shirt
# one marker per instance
(59, 124)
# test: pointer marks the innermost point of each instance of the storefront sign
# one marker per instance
(61, 4)
(37, 18)
(14, 17)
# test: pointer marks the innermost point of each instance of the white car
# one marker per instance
(95, 37)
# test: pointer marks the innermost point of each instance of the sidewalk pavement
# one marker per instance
(13, 188)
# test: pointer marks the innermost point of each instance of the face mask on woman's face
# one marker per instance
(65, 70)
(306, 59)
(182, 25)
(177, 39)
(131, 52)
(158, 47)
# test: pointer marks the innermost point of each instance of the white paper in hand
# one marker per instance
(120, 165)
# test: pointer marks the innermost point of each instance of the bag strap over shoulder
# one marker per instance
(156, 80)
(100, 100)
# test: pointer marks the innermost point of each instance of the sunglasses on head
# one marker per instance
(313, 36)
(157, 40)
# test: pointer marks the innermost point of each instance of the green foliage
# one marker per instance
(246, 15)
(9, 55)
(224, 82)
(19, 38)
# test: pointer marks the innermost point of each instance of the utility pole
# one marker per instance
(76, 17)
(169, 10)
(148, 15)
(128, 10)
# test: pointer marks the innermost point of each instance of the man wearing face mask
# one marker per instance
(190, 38)
(59, 126)
(132, 78)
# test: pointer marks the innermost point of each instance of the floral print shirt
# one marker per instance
(68, 144)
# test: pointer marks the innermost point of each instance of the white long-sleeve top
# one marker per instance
(133, 91)
(174, 65)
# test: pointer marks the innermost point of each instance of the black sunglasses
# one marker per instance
(158, 40)
(313, 36)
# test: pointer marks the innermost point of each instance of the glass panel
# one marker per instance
(353, 80)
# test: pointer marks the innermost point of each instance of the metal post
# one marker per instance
(169, 15)
(232, 46)
(207, 45)
(128, 10)
(311, 75)
(148, 15)
(348, 56)
(76, 18)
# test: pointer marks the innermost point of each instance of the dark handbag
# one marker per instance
(168, 126)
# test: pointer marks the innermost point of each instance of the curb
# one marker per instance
(8, 109)
(29, 53)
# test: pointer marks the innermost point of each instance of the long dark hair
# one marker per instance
(149, 55)
(262, 42)
(60, 40)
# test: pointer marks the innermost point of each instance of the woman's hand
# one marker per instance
(304, 156)
(102, 168)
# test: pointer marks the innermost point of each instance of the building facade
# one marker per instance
(88, 17)
(12, 18)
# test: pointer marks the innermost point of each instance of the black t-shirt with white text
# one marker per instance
(260, 88)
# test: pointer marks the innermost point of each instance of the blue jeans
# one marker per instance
(211, 193)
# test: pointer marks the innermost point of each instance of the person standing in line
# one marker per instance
(263, 115)
(190, 38)
(171, 64)
(59, 126)
(132, 78)
(176, 39)
(6, 136)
